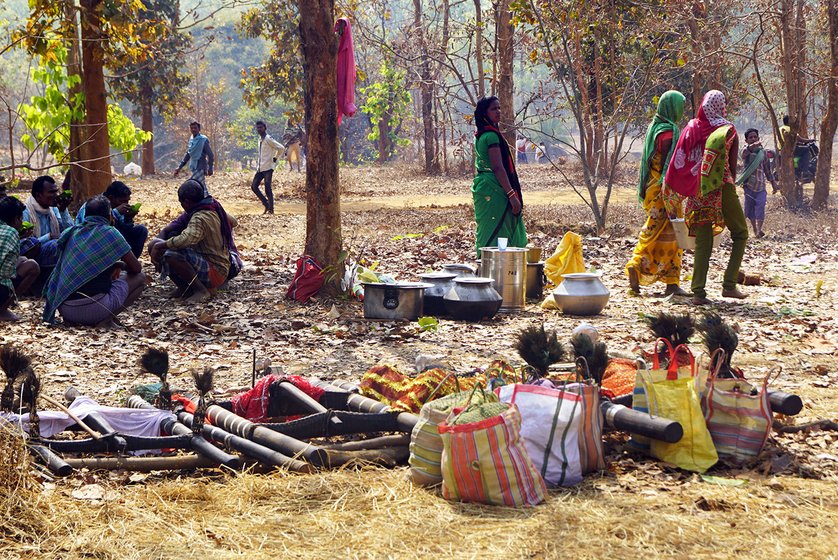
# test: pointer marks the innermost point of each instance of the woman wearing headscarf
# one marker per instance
(496, 190)
(703, 169)
(657, 257)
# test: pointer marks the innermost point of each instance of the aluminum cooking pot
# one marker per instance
(394, 301)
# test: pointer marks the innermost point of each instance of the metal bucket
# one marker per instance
(535, 280)
(508, 268)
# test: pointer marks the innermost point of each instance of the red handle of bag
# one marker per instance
(672, 372)
(655, 357)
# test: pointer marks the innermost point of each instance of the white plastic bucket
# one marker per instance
(682, 235)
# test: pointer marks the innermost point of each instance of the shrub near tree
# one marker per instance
(388, 105)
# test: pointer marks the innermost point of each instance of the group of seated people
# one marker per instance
(89, 270)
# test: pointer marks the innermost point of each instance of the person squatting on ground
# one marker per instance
(266, 161)
(703, 168)
(16, 273)
(498, 203)
(119, 195)
(88, 285)
(195, 249)
(757, 168)
(198, 155)
(657, 256)
(49, 217)
(293, 138)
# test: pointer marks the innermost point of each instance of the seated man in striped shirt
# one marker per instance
(195, 249)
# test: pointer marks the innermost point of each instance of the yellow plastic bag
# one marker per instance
(567, 259)
(677, 399)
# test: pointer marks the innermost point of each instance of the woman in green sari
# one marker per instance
(497, 193)
(657, 257)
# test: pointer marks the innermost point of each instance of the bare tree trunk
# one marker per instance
(319, 46)
(795, 98)
(148, 126)
(96, 144)
(506, 55)
(426, 92)
(830, 120)
(77, 174)
(12, 140)
(478, 50)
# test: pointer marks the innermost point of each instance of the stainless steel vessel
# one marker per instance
(582, 293)
(394, 301)
(508, 269)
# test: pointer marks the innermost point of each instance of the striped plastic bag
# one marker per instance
(551, 420)
(425, 441)
(486, 462)
(738, 415)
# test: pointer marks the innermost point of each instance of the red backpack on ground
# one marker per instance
(307, 281)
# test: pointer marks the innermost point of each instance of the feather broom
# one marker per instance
(156, 362)
(677, 329)
(203, 383)
(14, 364)
(29, 391)
(718, 334)
(539, 348)
(595, 354)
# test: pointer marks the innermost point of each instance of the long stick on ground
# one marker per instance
(93, 433)
(142, 464)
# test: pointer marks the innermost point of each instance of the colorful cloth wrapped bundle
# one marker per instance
(399, 391)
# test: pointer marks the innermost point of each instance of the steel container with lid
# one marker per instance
(508, 268)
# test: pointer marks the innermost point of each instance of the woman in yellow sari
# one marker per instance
(657, 257)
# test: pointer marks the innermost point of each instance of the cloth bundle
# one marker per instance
(399, 391)
(255, 403)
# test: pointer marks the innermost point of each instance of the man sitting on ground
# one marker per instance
(119, 195)
(88, 285)
(49, 217)
(195, 250)
(15, 272)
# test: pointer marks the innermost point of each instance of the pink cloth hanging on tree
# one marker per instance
(346, 71)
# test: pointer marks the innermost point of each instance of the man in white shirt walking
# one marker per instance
(268, 150)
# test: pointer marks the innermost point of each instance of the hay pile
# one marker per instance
(378, 513)
(21, 520)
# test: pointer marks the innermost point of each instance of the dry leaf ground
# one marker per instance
(788, 504)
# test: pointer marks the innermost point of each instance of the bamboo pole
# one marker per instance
(143, 464)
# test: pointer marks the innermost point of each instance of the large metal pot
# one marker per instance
(472, 299)
(460, 269)
(581, 293)
(440, 283)
(508, 268)
(394, 301)
(535, 279)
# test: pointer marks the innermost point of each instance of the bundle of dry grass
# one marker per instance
(19, 491)
(378, 513)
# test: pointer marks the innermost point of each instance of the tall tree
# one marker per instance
(505, 54)
(103, 28)
(319, 49)
(829, 124)
(426, 91)
(156, 83)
